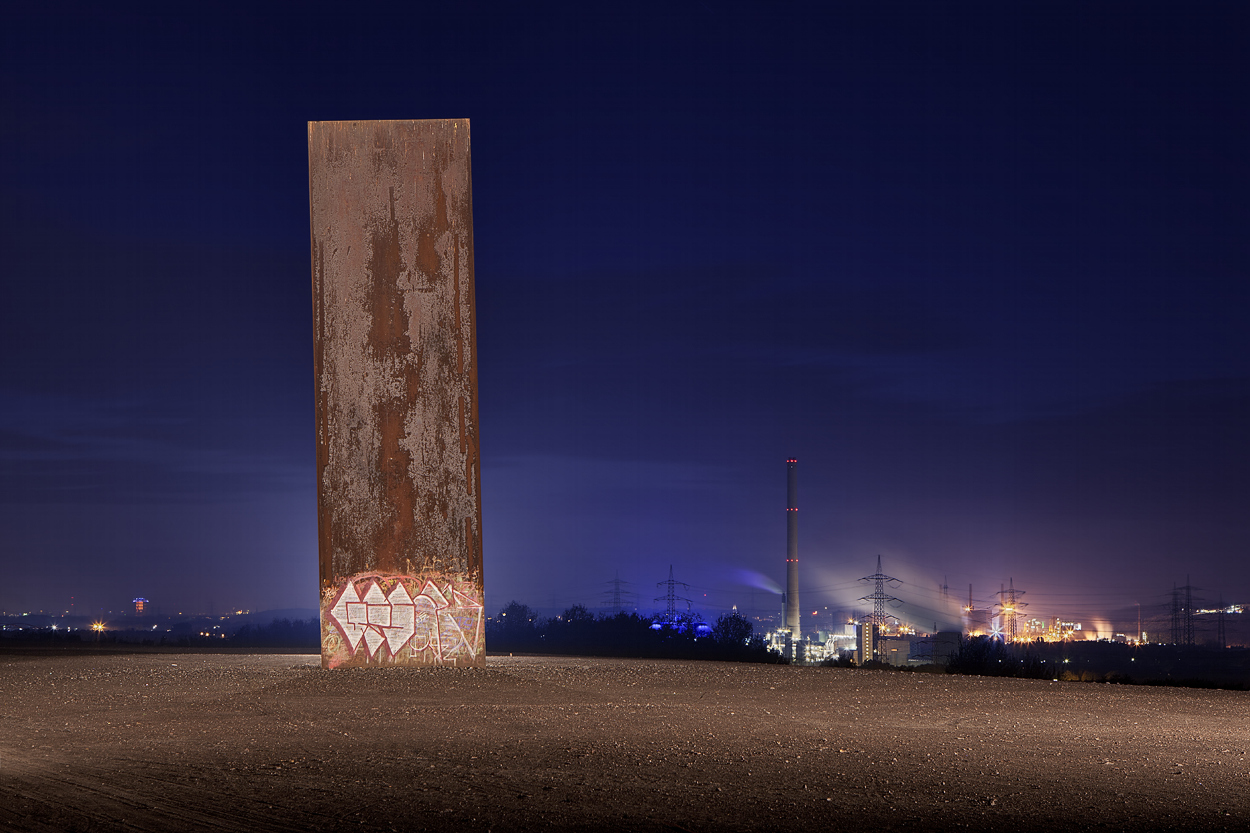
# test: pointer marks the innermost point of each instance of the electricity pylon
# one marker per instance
(617, 598)
(1009, 605)
(671, 597)
(879, 597)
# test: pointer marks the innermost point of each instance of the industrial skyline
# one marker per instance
(1183, 615)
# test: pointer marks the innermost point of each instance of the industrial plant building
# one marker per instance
(876, 637)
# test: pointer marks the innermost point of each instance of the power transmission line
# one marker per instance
(1182, 614)
(1008, 607)
(671, 598)
(617, 598)
(879, 597)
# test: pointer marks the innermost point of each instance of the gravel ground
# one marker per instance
(252, 742)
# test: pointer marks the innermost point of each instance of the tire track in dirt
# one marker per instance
(135, 799)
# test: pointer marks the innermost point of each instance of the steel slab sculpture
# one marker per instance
(398, 479)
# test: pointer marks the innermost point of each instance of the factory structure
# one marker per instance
(790, 616)
(903, 639)
(788, 638)
(874, 638)
(892, 631)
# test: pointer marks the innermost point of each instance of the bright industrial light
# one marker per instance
(97, 626)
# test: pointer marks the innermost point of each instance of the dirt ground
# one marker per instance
(267, 743)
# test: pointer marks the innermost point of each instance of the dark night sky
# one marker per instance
(983, 269)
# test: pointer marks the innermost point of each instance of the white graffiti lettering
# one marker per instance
(445, 622)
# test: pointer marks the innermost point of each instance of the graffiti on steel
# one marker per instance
(402, 620)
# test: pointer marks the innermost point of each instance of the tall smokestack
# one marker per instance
(792, 548)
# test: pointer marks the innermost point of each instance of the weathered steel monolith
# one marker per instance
(398, 481)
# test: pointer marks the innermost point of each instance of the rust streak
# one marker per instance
(428, 261)
(392, 347)
(463, 438)
(325, 528)
(455, 305)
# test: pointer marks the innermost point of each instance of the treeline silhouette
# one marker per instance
(1105, 662)
(293, 634)
(280, 633)
(518, 629)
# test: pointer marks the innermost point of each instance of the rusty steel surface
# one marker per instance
(398, 480)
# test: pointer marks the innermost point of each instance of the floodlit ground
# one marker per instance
(253, 742)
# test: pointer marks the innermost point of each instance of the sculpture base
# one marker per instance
(372, 619)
